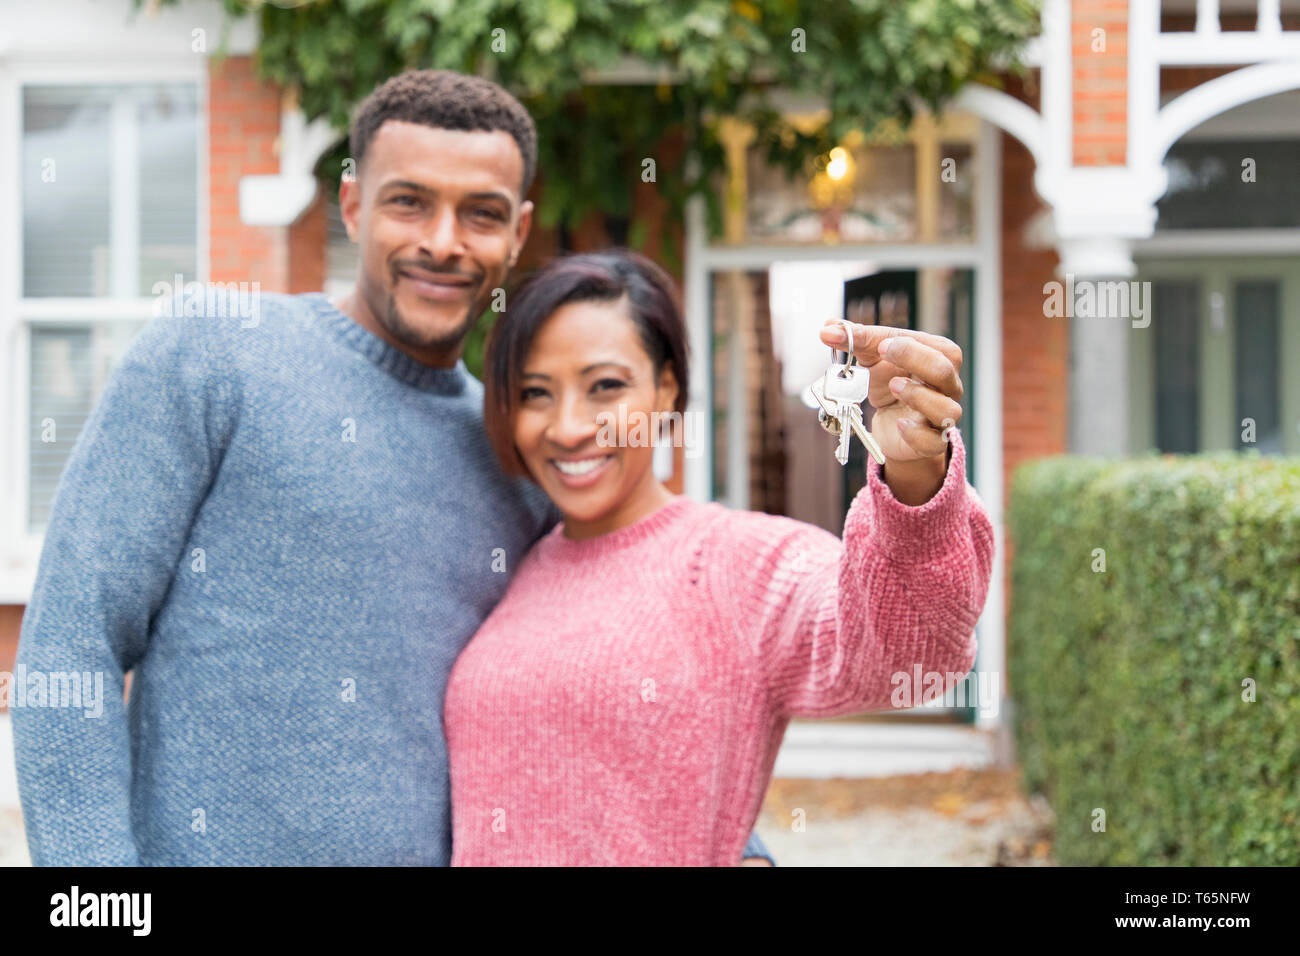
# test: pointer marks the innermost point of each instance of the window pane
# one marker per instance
(62, 385)
(957, 191)
(66, 190)
(1211, 186)
(69, 366)
(75, 142)
(1177, 356)
(169, 135)
(1258, 358)
(869, 197)
(341, 255)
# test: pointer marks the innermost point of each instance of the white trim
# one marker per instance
(827, 749)
(12, 373)
(1143, 78)
(97, 32)
(64, 69)
(698, 478)
(124, 198)
(18, 572)
(1268, 18)
(987, 388)
(740, 344)
(1228, 243)
(83, 311)
(1207, 18)
(1017, 118)
(8, 774)
(11, 164)
(1224, 49)
(203, 219)
(280, 198)
(1056, 97)
(724, 258)
(1217, 96)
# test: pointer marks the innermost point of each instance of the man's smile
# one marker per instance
(442, 286)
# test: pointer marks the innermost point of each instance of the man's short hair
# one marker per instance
(445, 99)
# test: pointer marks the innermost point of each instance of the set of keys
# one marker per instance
(840, 393)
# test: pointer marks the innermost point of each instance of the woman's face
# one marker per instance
(587, 359)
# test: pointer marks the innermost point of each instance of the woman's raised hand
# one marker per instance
(916, 386)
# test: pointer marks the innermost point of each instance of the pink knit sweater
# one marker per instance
(624, 703)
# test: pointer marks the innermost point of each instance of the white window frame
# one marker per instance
(20, 547)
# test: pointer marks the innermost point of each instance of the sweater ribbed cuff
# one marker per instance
(913, 533)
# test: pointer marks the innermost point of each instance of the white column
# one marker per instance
(698, 483)
(988, 399)
(1099, 412)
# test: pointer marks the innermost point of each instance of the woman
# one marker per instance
(624, 702)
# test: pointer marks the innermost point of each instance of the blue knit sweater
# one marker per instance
(287, 531)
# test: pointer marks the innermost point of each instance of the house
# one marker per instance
(1112, 240)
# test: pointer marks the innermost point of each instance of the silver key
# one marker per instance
(864, 436)
(846, 434)
(844, 388)
(837, 393)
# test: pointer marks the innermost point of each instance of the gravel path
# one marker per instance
(961, 818)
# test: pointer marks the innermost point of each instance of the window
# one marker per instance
(69, 366)
(889, 186)
(1258, 360)
(1212, 185)
(1211, 372)
(109, 189)
(1177, 356)
(110, 209)
(341, 253)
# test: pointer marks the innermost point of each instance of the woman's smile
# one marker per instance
(581, 472)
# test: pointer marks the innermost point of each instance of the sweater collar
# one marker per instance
(348, 332)
(605, 545)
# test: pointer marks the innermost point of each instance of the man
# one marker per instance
(287, 531)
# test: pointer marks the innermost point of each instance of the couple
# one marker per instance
(378, 613)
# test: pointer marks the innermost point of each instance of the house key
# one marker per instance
(840, 393)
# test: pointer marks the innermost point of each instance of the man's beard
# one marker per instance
(407, 334)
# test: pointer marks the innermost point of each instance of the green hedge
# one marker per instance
(1128, 683)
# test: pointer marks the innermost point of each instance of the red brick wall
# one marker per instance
(1100, 78)
(243, 125)
(1035, 348)
(308, 238)
(11, 619)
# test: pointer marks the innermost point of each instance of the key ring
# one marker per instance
(852, 359)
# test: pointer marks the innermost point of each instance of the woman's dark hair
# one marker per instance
(604, 276)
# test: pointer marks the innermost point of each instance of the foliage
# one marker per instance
(870, 60)
(1128, 682)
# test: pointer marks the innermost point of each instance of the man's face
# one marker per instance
(440, 222)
